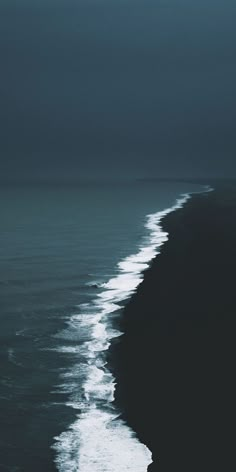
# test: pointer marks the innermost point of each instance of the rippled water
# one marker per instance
(70, 257)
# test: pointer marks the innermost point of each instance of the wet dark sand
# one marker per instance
(175, 364)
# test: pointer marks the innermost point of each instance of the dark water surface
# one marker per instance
(56, 242)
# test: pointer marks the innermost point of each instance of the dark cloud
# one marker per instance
(118, 86)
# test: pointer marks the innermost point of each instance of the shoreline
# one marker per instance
(95, 404)
(164, 380)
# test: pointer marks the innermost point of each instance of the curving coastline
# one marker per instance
(174, 364)
(94, 440)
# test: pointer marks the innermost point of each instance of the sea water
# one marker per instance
(71, 256)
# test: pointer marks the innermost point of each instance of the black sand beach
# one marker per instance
(175, 364)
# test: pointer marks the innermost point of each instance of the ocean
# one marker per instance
(71, 256)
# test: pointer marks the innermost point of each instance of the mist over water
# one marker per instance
(117, 87)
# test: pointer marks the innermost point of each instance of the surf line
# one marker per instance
(96, 438)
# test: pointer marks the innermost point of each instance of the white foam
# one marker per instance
(95, 440)
(104, 444)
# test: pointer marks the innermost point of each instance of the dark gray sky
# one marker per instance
(114, 87)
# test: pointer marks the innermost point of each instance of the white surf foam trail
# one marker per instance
(99, 441)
